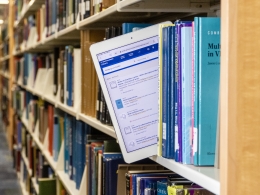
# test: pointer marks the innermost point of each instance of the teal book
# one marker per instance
(206, 98)
(130, 27)
(161, 188)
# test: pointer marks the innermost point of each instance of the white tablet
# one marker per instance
(127, 68)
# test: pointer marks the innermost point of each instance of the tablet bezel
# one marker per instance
(110, 44)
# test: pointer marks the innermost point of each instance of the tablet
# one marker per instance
(127, 68)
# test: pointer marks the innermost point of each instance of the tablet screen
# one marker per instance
(131, 76)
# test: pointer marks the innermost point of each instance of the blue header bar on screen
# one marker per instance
(129, 55)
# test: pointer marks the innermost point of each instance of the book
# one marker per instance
(55, 74)
(161, 188)
(50, 126)
(130, 27)
(80, 152)
(76, 77)
(88, 74)
(47, 186)
(56, 137)
(70, 70)
(124, 168)
(186, 73)
(147, 182)
(207, 76)
(161, 119)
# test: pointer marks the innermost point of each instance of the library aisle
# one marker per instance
(9, 184)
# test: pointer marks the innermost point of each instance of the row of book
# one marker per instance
(31, 165)
(189, 90)
(5, 102)
(41, 117)
(54, 16)
(145, 180)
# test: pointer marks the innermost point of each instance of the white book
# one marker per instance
(76, 95)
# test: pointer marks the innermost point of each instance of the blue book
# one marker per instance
(70, 138)
(178, 25)
(207, 76)
(66, 61)
(165, 92)
(186, 73)
(66, 143)
(112, 174)
(172, 92)
(110, 166)
(80, 163)
(176, 86)
(130, 27)
(69, 75)
(161, 188)
(134, 178)
(74, 150)
(145, 182)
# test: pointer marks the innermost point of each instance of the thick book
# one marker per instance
(207, 77)
(162, 118)
(47, 186)
(87, 87)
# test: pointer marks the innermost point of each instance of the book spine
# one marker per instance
(176, 75)
(186, 34)
(196, 88)
(64, 14)
(70, 149)
(55, 74)
(87, 8)
(80, 151)
(192, 93)
(209, 79)
(102, 108)
(54, 16)
(55, 138)
(172, 93)
(98, 102)
(88, 167)
(76, 162)
(164, 91)
(74, 149)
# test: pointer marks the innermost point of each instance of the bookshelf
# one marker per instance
(131, 10)
(27, 9)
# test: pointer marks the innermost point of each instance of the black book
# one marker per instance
(103, 108)
(55, 74)
(98, 102)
